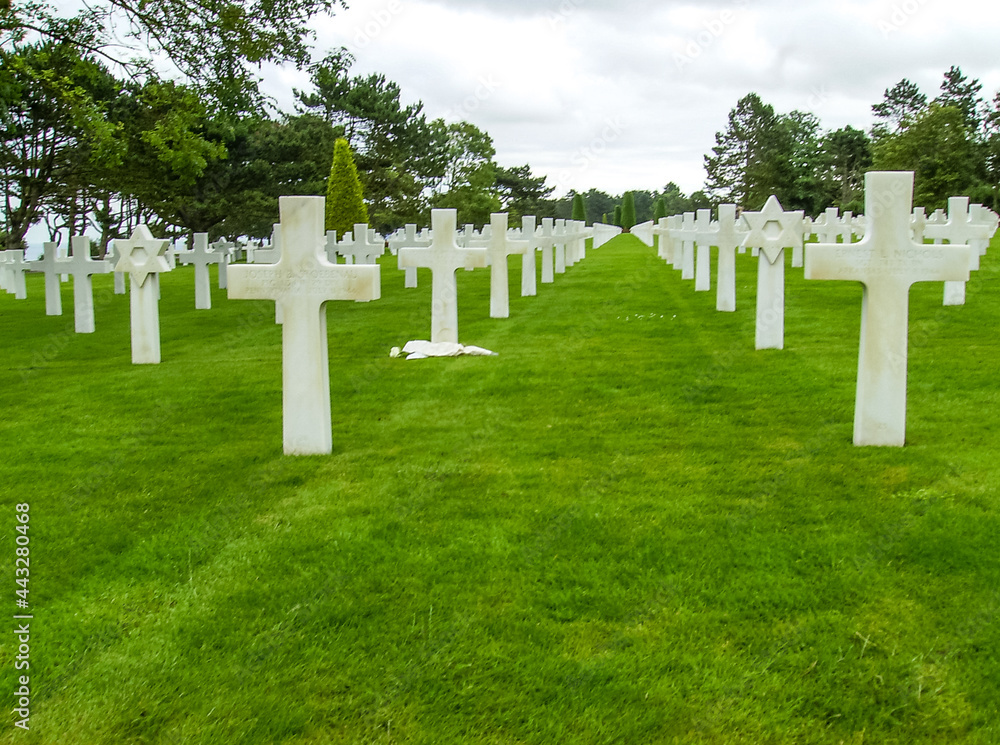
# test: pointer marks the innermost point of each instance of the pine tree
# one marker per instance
(618, 215)
(345, 205)
(628, 211)
(579, 208)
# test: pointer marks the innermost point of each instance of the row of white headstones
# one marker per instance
(890, 257)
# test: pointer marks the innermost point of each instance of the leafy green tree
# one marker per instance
(51, 129)
(345, 205)
(847, 155)
(627, 216)
(617, 219)
(579, 208)
(218, 46)
(470, 181)
(804, 187)
(936, 146)
(674, 201)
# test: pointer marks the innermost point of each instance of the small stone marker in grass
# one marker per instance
(302, 282)
(50, 265)
(887, 262)
(501, 246)
(142, 258)
(443, 257)
(772, 230)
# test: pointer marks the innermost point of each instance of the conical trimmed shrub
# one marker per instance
(345, 204)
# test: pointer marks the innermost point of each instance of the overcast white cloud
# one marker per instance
(630, 94)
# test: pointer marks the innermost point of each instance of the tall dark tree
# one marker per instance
(903, 101)
(847, 156)
(961, 93)
(752, 158)
(521, 193)
(399, 154)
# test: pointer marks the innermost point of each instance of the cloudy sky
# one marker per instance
(629, 94)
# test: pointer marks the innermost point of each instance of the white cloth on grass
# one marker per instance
(420, 350)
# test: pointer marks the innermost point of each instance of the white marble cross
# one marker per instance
(686, 234)
(228, 252)
(704, 233)
(547, 244)
(201, 257)
(358, 248)
(827, 228)
(959, 228)
(604, 233)
(16, 267)
(576, 247)
(50, 264)
(302, 282)
(772, 230)
(728, 238)
(410, 239)
(529, 280)
(142, 257)
(887, 262)
(82, 267)
(560, 237)
(917, 225)
(644, 232)
(501, 246)
(443, 257)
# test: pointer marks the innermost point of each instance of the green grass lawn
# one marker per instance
(628, 527)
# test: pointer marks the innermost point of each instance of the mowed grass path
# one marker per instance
(628, 527)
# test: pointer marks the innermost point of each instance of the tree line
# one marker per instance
(951, 142)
